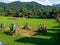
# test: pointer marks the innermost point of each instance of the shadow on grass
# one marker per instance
(38, 41)
(45, 34)
(53, 30)
(6, 32)
(58, 26)
(55, 40)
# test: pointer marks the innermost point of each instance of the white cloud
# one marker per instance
(47, 2)
(54, 1)
(58, 2)
(26, 0)
(11, 0)
(44, 2)
(7, 1)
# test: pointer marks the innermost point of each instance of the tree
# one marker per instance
(42, 28)
(23, 11)
(55, 11)
(46, 13)
(17, 14)
(58, 18)
(39, 13)
(5, 9)
(30, 14)
(9, 12)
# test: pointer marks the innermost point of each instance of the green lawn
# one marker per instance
(52, 37)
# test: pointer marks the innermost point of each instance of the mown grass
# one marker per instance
(49, 38)
(31, 21)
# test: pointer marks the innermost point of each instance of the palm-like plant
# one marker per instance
(42, 28)
(2, 26)
(26, 26)
(13, 28)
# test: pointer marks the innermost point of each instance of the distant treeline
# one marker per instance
(34, 12)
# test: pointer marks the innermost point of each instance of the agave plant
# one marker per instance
(42, 28)
(13, 27)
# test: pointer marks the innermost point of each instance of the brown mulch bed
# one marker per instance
(23, 32)
(28, 33)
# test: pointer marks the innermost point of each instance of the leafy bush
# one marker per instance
(13, 27)
(26, 26)
(2, 26)
(42, 28)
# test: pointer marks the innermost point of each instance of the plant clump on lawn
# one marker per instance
(13, 28)
(42, 28)
(26, 26)
(58, 18)
(2, 26)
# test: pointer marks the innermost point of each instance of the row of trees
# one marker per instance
(38, 13)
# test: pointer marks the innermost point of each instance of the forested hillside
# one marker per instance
(28, 9)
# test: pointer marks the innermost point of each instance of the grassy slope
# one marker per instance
(32, 22)
(49, 38)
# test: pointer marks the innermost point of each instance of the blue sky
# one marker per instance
(44, 2)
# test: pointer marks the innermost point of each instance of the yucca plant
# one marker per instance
(2, 26)
(13, 28)
(42, 28)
